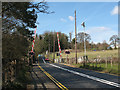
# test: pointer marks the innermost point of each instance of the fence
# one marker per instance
(96, 62)
(11, 71)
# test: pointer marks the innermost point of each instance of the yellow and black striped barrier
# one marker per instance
(54, 80)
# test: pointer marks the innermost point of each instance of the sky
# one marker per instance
(101, 19)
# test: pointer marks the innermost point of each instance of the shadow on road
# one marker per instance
(36, 80)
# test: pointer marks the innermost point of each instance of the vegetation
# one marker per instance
(45, 42)
(114, 40)
(91, 54)
(101, 68)
(18, 21)
(95, 54)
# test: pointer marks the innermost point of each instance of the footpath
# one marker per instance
(40, 80)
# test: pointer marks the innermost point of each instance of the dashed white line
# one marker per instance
(87, 76)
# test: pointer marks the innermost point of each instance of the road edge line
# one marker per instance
(53, 79)
(90, 77)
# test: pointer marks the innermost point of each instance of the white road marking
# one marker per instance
(90, 77)
(43, 60)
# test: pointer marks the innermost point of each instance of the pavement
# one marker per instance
(40, 80)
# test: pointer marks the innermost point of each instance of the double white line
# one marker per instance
(90, 77)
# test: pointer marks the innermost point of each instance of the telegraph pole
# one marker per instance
(70, 35)
(49, 45)
(54, 47)
(75, 39)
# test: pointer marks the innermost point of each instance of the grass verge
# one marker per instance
(101, 68)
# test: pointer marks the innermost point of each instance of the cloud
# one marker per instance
(98, 34)
(63, 20)
(71, 18)
(115, 11)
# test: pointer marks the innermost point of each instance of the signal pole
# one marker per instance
(85, 57)
(84, 43)
(75, 39)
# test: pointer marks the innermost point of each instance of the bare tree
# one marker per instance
(114, 40)
(81, 37)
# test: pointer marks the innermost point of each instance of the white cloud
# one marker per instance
(63, 20)
(115, 10)
(71, 18)
(98, 34)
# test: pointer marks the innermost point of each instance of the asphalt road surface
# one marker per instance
(73, 78)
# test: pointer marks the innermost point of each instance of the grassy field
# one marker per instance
(91, 54)
(94, 54)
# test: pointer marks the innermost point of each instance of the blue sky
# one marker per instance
(101, 19)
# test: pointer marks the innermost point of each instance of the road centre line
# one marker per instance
(53, 79)
(87, 76)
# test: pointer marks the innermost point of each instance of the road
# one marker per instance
(72, 78)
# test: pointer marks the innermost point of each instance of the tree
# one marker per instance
(105, 45)
(47, 43)
(63, 41)
(81, 37)
(17, 20)
(39, 46)
(21, 14)
(80, 40)
(114, 40)
(73, 43)
(40, 37)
